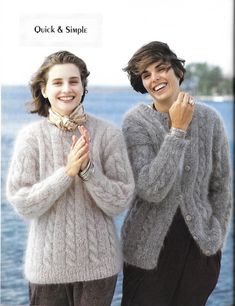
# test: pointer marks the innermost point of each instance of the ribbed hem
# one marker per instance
(45, 275)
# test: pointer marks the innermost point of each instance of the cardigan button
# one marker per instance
(188, 217)
(180, 197)
(208, 253)
(195, 237)
(187, 168)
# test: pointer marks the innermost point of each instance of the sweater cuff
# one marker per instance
(178, 133)
(62, 177)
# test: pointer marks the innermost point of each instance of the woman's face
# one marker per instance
(64, 88)
(161, 83)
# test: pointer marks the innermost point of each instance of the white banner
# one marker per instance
(63, 30)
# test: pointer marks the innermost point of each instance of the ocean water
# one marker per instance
(107, 103)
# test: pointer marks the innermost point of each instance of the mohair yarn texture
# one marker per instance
(72, 236)
(201, 186)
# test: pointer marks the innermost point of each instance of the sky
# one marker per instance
(196, 30)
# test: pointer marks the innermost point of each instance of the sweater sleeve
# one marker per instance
(112, 186)
(220, 186)
(155, 170)
(30, 196)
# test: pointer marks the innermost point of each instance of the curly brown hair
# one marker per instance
(41, 105)
(147, 55)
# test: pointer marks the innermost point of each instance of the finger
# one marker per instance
(191, 101)
(87, 137)
(85, 148)
(79, 144)
(80, 128)
(83, 157)
(84, 132)
(180, 97)
(74, 140)
(82, 138)
(82, 151)
(186, 99)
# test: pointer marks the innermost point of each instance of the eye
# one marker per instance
(74, 82)
(161, 69)
(56, 83)
(145, 76)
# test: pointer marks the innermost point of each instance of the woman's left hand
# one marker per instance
(181, 111)
(85, 134)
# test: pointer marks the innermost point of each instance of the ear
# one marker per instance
(43, 91)
(181, 75)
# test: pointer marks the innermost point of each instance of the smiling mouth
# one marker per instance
(66, 99)
(159, 87)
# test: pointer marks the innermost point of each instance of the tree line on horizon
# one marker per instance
(207, 80)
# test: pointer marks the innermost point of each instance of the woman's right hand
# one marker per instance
(181, 112)
(78, 154)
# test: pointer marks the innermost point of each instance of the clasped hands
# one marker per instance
(181, 111)
(78, 156)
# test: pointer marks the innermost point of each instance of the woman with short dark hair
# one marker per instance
(176, 227)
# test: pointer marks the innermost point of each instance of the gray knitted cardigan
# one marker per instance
(72, 235)
(202, 189)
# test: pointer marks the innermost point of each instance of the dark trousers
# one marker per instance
(91, 293)
(183, 277)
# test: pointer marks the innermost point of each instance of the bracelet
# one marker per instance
(177, 132)
(85, 173)
(86, 169)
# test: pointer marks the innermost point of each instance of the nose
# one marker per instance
(65, 87)
(155, 76)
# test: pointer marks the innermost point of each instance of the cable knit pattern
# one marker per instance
(202, 189)
(48, 246)
(72, 236)
(70, 231)
(91, 235)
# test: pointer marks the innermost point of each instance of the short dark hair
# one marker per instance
(147, 55)
(41, 105)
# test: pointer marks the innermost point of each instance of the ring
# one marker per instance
(191, 101)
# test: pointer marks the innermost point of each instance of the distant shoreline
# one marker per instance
(216, 98)
(111, 88)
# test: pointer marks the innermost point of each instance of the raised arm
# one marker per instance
(154, 166)
(30, 196)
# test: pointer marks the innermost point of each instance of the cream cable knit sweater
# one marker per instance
(202, 190)
(72, 235)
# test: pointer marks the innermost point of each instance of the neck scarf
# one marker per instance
(68, 123)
